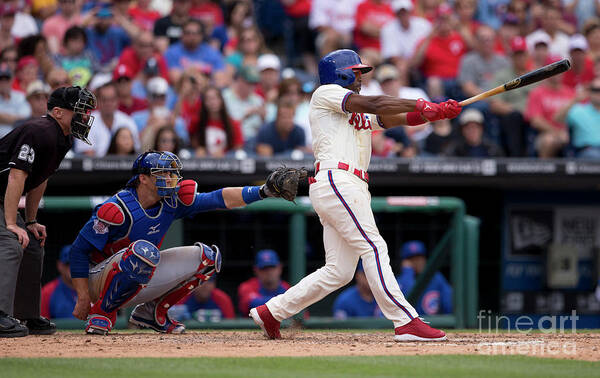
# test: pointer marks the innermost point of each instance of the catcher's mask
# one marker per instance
(165, 167)
(81, 102)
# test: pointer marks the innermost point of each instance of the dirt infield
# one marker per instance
(581, 346)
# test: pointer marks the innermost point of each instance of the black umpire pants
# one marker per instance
(20, 272)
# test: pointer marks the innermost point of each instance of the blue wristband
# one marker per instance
(251, 194)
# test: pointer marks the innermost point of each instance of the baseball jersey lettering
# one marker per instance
(332, 138)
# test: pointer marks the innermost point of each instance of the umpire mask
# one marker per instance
(81, 102)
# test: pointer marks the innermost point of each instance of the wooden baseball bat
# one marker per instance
(523, 80)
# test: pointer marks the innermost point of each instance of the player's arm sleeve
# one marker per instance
(24, 154)
(331, 97)
(203, 202)
(80, 257)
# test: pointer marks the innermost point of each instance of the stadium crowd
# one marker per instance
(210, 78)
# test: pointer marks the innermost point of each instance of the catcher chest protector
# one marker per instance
(336, 67)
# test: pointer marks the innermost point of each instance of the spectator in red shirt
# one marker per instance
(543, 104)
(371, 15)
(438, 56)
(135, 56)
(142, 15)
(189, 88)
(217, 132)
(582, 67)
(128, 104)
(27, 73)
(267, 284)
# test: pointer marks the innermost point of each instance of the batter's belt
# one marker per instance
(332, 164)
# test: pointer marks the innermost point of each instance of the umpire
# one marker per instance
(29, 154)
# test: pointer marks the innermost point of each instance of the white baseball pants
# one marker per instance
(343, 203)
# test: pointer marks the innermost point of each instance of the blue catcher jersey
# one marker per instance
(148, 224)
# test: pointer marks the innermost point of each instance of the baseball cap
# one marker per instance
(413, 248)
(470, 115)
(99, 80)
(578, 42)
(36, 87)
(398, 5)
(157, 86)
(122, 70)
(386, 72)
(265, 258)
(5, 70)
(26, 61)
(249, 73)
(518, 44)
(64, 256)
(539, 37)
(268, 61)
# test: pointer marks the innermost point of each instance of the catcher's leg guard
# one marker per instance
(155, 314)
(125, 280)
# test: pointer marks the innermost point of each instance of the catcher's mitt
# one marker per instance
(283, 182)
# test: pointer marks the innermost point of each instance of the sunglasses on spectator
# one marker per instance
(157, 96)
(191, 32)
(594, 89)
(4, 77)
(15, 59)
(67, 1)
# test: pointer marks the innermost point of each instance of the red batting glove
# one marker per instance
(430, 110)
(450, 108)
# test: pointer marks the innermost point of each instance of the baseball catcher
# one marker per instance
(116, 261)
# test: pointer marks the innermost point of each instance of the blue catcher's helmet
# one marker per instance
(336, 67)
(166, 167)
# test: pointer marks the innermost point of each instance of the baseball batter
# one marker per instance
(341, 122)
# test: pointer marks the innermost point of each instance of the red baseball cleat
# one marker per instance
(416, 330)
(263, 318)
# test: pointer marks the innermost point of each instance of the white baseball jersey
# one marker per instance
(339, 135)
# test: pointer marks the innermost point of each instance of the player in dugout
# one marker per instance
(116, 261)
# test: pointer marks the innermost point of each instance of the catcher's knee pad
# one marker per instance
(129, 275)
(210, 261)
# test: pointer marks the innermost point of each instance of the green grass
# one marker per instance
(381, 366)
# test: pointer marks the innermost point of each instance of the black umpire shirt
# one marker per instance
(36, 147)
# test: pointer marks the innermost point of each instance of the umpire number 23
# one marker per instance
(26, 154)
